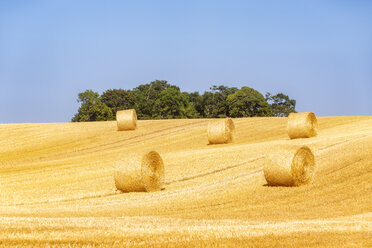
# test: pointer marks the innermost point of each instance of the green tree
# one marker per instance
(159, 99)
(118, 99)
(247, 102)
(208, 105)
(146, 96)
(196, 108)
(92, 108)
(215, 101)
(171, 104)
(281, 104)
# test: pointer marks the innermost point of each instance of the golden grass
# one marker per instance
(57, 187)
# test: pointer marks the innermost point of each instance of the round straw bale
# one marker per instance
(141, 175)
(221, 131)
(302, 125)
(152, 170)
(128, 177)
(126, 119)
(291, 166)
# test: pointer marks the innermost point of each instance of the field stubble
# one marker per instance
(57, 186)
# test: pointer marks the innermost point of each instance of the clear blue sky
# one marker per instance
(317, 52)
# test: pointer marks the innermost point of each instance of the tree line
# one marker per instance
(161, 100)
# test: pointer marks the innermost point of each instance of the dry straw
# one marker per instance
(126, 119)
(221, 131)
(147, 175)
(302, 125)
(290, 166)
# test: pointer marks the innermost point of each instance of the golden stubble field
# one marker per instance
(57, 187)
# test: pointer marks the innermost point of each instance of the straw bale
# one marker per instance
(126, 119)
(141, 175)
(290, 166)
(221, 131)
(302, 125)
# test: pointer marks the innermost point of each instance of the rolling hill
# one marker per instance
(57, 187)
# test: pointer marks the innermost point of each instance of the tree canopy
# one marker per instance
(247, 102)
(171, 103)
(281, 105)
(161, 100)
(118, 99)
(92, 108)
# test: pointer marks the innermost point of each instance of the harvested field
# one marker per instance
(57, 186)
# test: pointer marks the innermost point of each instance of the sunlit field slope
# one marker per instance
(57, 187)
